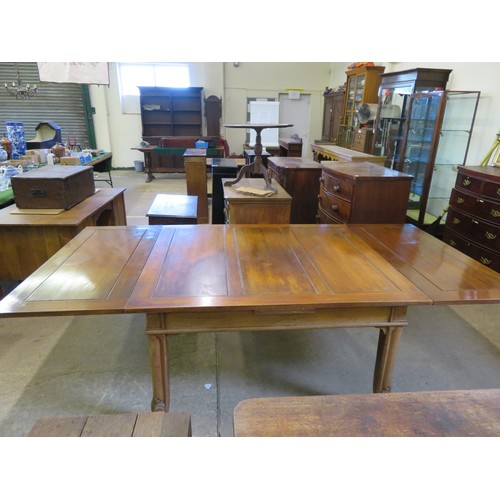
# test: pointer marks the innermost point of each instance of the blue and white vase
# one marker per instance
(15, 134)
(3, 155)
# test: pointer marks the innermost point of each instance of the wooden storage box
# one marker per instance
(53, 187)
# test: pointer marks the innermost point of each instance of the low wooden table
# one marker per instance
(115, 425)
(232, 278)
(28, 240)
(173, 209)
(410, 414)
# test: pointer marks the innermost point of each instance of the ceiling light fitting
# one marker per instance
(20, 91)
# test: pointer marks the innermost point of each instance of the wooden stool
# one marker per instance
(154, 424)
(410, 414)
(173, 209)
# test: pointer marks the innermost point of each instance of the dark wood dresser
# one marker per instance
(473, 219)
(299, 177)
(354, 193)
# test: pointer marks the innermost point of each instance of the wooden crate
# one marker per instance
(53, 187)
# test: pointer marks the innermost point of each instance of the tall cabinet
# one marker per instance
(424, 131)
(167, 112)
(361, 88)
(436, 142)
(333, 107)
(393, 103)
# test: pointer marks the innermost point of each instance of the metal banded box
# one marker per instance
(53, 186)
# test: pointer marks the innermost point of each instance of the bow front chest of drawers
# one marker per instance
(473, 220)
(364, 192)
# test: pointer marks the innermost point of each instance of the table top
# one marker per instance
(259, 125)
(410, 414)
(445, 275)
(71, 217)
(210, 268)
(173, 205)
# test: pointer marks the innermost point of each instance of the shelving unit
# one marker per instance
(167, 112)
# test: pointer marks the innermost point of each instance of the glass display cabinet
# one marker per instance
(436, 141)
(393, 102)
(361, 88)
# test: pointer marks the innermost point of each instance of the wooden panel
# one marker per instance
(149, 424)
(414, 414)
(57, 427)
(113, 425)
(441, 272)
(197, 268)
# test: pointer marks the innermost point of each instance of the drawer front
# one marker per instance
(324, 218)
(475, 229)
(280, 178)
(492, 190)
(487, 257)
(334, 207)
(339, 187)
(468, 183)
(480, 207)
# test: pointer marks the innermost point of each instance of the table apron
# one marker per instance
(168, 323)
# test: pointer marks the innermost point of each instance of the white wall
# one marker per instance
(120, 132)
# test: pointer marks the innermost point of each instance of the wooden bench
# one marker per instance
(411, 414)
(173, 209)
(157, 424)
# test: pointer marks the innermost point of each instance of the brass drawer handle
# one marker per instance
(466, 182)
(335, 208)
(495, 213)
(456, 220)
(485, 261)
(490, 236)
(336, 188)
(460, 200)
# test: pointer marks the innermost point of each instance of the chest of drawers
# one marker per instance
(473, 219)
(300, 179)
(354, 193)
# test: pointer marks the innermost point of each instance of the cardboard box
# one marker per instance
(53, 186)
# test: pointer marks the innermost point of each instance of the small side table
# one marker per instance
(173, 209)
(256, 167)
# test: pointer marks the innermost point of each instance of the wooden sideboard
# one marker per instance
(300, 179)
(362, 192)
(473, 219)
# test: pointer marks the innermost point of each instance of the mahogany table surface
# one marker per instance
(213, 268)
(402, 414)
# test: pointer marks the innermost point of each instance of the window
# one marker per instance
(133, 75)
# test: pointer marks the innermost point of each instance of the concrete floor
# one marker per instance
(99, 364)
